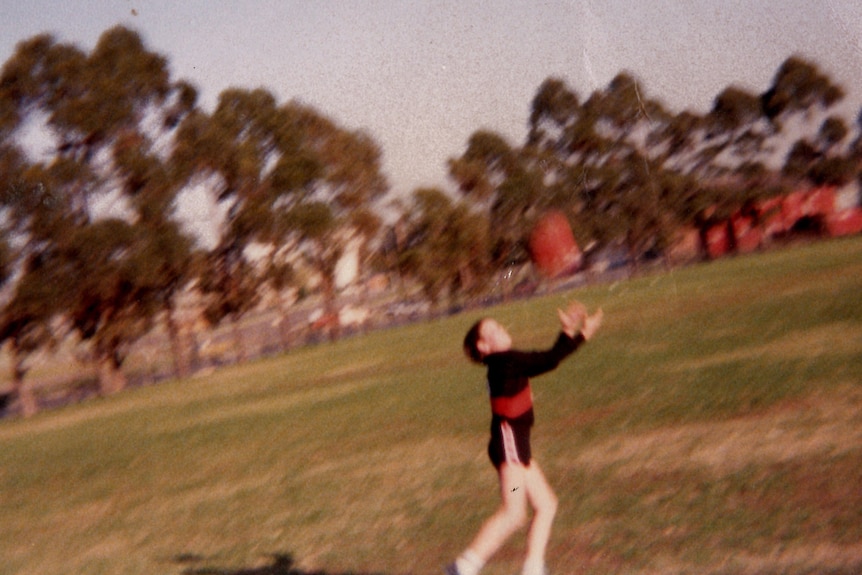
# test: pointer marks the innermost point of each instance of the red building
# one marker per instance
(814, 209)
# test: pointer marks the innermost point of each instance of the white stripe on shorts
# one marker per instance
(509, 447)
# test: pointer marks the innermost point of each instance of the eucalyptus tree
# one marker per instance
(150, 184)
(821, 160)
(506, 186)
(25, 319)
(34, 214)
(554, 109)
(604, 161)
(731, 166)
(483, 167)
(799, 87)
(445, 249)
(736, 131)
(802, 93)
(632, 181)
(676, 140)
(729, 156)
(328, 190)
(677, 144)
(292, 180)
(97, 108)
(231, 151)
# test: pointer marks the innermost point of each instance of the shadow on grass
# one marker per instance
(281, 564)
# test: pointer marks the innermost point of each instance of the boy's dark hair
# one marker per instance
(471, 341)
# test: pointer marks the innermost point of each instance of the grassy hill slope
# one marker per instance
(713, 426)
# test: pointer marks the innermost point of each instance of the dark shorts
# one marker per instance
(510, 443)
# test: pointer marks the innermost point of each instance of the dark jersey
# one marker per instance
(509, 374)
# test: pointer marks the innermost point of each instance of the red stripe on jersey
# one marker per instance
(513, 406)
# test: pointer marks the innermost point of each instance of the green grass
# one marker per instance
(713, 426)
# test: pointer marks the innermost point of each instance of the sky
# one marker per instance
(421, 76)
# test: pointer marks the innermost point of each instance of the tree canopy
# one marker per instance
(94, 248)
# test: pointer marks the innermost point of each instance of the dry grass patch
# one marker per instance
(768, 493)
(819, 425)
(835, 339)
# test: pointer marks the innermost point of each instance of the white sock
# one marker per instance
(469, 563)
(534, 568)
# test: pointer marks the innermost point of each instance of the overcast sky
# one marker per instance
(421, 76)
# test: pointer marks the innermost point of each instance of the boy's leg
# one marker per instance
(544, 503)
(511, 515)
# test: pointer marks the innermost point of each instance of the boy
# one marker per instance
(521, 479)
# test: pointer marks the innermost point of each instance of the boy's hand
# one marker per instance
(573, 318)
(576, 319)
(592, 323)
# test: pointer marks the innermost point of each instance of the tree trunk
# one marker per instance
(25, 396)
(632, 253)
(239, 345)
(111, 377)
(330, 308)
(178, 350)
(284, 323)
(703, 241)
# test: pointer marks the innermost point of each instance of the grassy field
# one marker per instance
(714, 426)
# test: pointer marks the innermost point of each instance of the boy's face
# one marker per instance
(493, 338)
